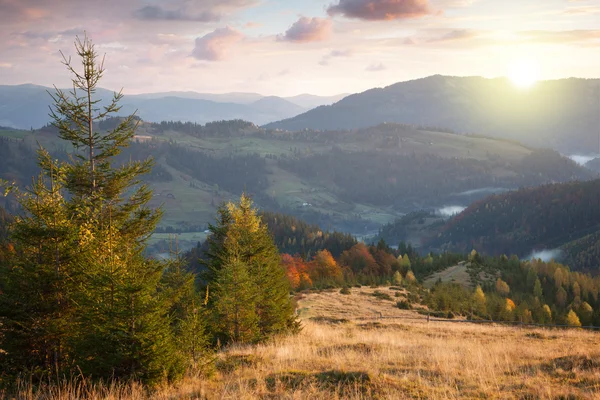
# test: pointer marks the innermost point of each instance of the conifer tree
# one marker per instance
(251, 290)
(84, 295)
(38, 279)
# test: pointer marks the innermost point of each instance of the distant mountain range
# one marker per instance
(562, 114)
(26, 106)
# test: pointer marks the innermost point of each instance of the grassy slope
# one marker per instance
(392, 359)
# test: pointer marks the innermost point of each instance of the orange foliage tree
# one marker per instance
(296, 270)
(323, 267)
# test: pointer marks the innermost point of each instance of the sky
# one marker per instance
(289, 47)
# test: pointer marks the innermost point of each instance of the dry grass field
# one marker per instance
(340, 356)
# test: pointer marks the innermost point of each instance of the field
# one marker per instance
(338, 355)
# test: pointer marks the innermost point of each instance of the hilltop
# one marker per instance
(560, 114)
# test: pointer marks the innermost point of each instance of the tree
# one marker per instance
(245, 270)
(561, 297)
(573, 319)
(324, 268)
(502, 287)
(397, 278)
(586, 313)
(479, 302)
(537, 289)
(410, 277)
(88, 272)
(38, 279)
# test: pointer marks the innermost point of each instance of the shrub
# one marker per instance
(345, 290)
(381, 295)
(403, 305)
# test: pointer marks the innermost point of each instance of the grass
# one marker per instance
(338, 356)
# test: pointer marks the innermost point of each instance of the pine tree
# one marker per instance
(246, 273)
(83, 295)
(38, 279)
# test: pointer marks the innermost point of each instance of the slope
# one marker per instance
(546, 217)
(561, 114)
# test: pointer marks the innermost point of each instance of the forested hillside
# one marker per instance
(546, 217)
(352, 181)
(472, 105)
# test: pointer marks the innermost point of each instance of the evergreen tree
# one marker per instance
(250, 284)
(537, 289)
(84, 295)
(38, 279)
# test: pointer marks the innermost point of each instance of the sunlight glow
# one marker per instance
(524, 74)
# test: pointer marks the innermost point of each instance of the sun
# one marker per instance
(524, 74)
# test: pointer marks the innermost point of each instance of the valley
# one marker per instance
(351, 181)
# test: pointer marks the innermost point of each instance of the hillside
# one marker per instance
(521, 222)
(350, 181)
(561, 114)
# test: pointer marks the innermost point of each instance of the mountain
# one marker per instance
(26, 106)
(562, 114)
(310, 101)
(561, 219)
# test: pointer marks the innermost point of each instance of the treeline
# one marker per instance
(234, 173)
(519, 222)
(294, 236)
(376, 178)
(230, 128)
(523, 291)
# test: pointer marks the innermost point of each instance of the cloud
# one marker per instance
(457, 34)
(376, 67)
(308, 30)
(156, 13)
(215, 45)
(381, 10)
(335, 54)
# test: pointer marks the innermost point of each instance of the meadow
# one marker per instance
(345, 351)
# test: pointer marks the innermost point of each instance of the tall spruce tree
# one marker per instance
(250, 301)
(90, 299)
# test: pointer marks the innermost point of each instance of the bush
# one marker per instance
(381, 295)
(397, 294)
(345, 290)
(403, 305)
(450, 315)
(358, 285)
(395, 288)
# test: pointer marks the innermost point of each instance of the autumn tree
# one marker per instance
(479, 302)
(502, 287)
(573, 319)
(324, 268)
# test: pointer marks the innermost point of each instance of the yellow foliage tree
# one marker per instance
(573, 319)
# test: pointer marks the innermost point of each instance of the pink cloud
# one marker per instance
(308, 30)
(215, 45)
(381, 10)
